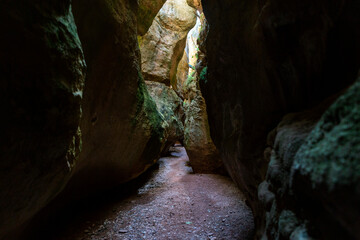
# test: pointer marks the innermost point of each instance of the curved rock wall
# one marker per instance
(171, 111)
(42, 75)
(118, 130)
(266, 59)
(162, 46)
(146, 13)
(121, 128)
(203, 155)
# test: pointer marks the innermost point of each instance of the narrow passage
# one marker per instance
(176, 204)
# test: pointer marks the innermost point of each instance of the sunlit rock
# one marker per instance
(162, 46)
(202, 152)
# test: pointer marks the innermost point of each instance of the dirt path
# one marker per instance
(173, 204)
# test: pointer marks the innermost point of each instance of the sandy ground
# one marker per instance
(172, 204)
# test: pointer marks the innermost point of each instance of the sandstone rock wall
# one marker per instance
(162, 46)
(161, 50)
(266, 59)
(55, 137)
(203, 155)
(122, 133)
(42, 75)
(310, 188)
(171, 110)
(146, 13)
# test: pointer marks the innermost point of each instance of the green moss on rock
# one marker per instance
(203, 75)
(147, 106)
(331, 152)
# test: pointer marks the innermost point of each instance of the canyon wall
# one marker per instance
(169, 53)
(203, 155)
(42, 76)
(162, 46)
(146, 13)
(121, 128)
(267, 59)
(55, 137)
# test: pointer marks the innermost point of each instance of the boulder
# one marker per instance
(203, 155)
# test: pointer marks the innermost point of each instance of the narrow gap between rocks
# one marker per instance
(167, 202)
(187, 194)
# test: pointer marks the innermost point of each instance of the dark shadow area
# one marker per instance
(56, 221)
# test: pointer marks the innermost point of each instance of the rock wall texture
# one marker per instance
(42, 76)
(276, 194)
(203, 155)
(266, 59)
(146, 13)
(171, 110)
(162, 46)
(313, 176)
(326, 170)
(56, 139)
(122, 133)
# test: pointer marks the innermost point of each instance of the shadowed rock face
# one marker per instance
(43, 73)
(122, 133)
(276, 194)
(42, 76)
(203, 155)
(326, 170)
(171, 110)
(268, 58)
(195, 4)
(146, 13)
(313, 175)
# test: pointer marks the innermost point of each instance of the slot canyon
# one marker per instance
(180, 120)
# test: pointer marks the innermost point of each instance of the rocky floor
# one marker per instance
(173, 203)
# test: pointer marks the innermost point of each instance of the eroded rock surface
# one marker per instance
(146, 13)
(42, 76)
(267, 59)
(162, 46)
(122, 132)
(203, 155)
(171, 110)
(313, 176)
(326, 170)
(281, 203)
(195, 4)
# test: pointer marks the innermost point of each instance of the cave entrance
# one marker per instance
(173, 62)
